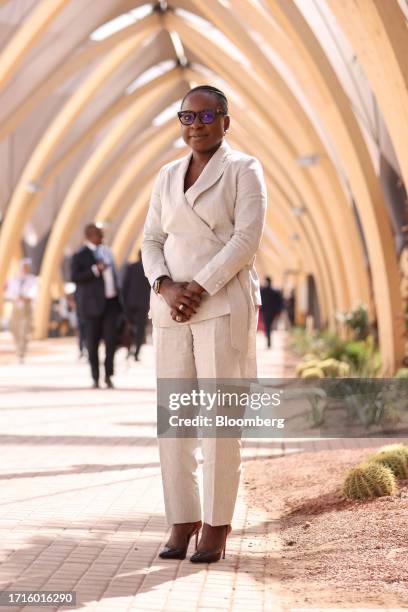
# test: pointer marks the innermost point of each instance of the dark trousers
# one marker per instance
(81, 335)
(103, 328)
(268, 319)
(138, 320)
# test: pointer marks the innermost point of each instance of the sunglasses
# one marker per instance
(206, 116)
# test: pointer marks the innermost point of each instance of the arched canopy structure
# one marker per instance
(318, 92)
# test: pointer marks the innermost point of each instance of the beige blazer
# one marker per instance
(209, 234)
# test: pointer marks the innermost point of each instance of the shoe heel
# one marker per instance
(196, 539)
(228, 531)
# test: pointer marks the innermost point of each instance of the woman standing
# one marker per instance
(201, 233)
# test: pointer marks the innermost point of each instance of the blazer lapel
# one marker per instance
(179, 176)
(210, 175)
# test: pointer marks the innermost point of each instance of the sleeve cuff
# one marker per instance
(159, 271)
(211, 285)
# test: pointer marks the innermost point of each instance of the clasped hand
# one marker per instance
(187, 295)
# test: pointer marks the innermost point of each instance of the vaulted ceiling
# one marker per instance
(318, 92)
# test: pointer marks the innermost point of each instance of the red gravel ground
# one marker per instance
(335, 553)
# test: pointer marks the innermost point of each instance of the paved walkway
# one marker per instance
(81, 504)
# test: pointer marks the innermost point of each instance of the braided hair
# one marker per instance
(221, 97)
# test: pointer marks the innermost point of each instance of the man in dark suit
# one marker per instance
(272, 304)
(136, 298)
(93, 271)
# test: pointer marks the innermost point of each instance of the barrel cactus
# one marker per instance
(313, 372)
(400, 448)
(329, 367)
(395, 459)
(334, 368)
(369, 480)
(304, 365)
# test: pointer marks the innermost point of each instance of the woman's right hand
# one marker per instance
(176, 294)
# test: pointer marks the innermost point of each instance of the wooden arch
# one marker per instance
(377, 33)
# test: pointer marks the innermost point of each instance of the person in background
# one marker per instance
(93, 271)
(66, 311)
(290, 308)
(81, 331)
(136, 298)
(272, 304)
(22, 291)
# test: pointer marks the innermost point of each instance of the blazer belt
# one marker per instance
(239, 316)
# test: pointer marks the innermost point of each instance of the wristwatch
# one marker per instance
(158, 282)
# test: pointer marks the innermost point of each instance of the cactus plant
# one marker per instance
(329, 366)
(344, 369)
(313, 372)
(395, 460)
(304, 365)
(369, 480)
(395, 447)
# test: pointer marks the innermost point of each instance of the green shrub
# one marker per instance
(361, 356)
(357, 321)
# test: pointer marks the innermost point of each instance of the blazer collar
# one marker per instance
(210, 175)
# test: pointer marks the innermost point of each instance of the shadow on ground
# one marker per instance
(97, 568)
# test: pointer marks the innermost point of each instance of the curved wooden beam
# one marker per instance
(36, 22)
(114, 199)
(120, 105)
(120, 161)
(132, 222)
(282, 193)
(337, 115)
(23, 202)
(336, 195)
(378, 34)
(66, 218)
(65, 70)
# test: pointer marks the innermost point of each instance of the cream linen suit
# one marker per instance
(209, 234)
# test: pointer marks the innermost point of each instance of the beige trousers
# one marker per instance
(21, 325)
(201, 350)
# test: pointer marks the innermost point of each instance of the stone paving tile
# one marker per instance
(81, 504)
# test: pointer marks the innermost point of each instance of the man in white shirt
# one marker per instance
(22, 290)
(93, 271)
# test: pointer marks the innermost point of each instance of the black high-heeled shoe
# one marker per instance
(169, 552)
(211, 556)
